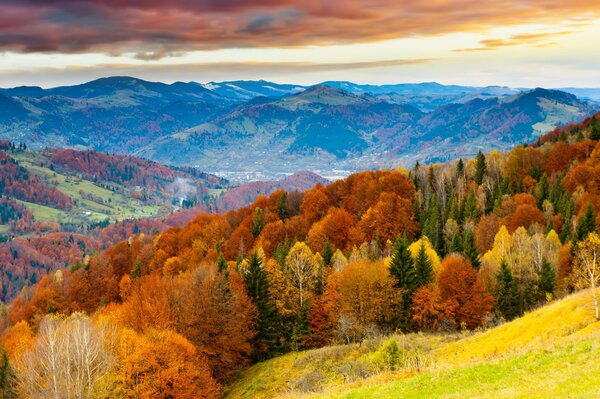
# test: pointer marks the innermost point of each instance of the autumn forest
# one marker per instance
(438, 249)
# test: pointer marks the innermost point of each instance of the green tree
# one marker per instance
(282, 206)
(546, 280)
(402, 265)
(402, 270)
(594, 129)
(470, 248)
(480, 168)
(257, 283)
(258, 222)
(327, 253)
(8, 379)
(507, 293)
(587, 223)
(423, 267)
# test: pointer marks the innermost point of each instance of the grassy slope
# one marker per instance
(120, 207)
(551, 352)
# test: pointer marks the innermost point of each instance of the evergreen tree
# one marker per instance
(432, 224)
(546, 280)
(542, 192)
(402, 266)
(136, 271)
(403, 270)
(460, 168)
(587, 223)
(282, 206)
(258, 222)
(8, 378)
(470, 248)
(267, 321)
(594, 129)
(456, 245)
(470, 206)
(507, 293)
(222, 264)
(480, 168)
(300, 328)
(423, 267)
(327, 253)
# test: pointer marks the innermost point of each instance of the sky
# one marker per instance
(526, 43)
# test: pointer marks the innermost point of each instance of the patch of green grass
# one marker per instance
(43, 213)
(566, 371)
(3, 228)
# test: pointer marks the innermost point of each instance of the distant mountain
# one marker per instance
(324, 129)
(425, 96)
(321, 123)
(259, 130)
(245, 90)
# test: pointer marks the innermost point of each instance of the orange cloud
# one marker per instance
(535, 39)
(154, 28)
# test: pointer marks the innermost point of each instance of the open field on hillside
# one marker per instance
(551, 352)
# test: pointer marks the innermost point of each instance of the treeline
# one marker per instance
(440, 247)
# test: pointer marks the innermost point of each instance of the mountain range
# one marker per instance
(257, 130)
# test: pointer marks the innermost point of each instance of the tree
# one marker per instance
(327, 253)
(586, 271)
(403, 271)
(8, 378)
(546, 280)
(470, 248)
(301, 268)
(586, 223)
(367, 293)
(70, 359)
(257, 284)
(162, 364)
(423, 267)
(258, 222)
(507, 293)
(462, 292)
(427, 308)
(480, 168)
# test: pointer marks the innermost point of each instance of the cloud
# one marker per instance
(535, 39)
(154, 29)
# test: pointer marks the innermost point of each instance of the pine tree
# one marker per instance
(402, 266)
(257, 284)
(542, 192)
(480, 168)
(456, 245)
(546, 280)
(403, 270)
(327, 253)
(460, 168)
(507, 293)
(470, 248)
(222, 264)
(258, 222)
(470, 210)
(8, 378)
(282, 206)
(587, 223)
(423, 267)
(594, 129)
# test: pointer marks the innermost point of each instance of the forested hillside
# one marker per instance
(442, 247)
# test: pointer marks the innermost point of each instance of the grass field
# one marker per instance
(551, 352)
(92, 202)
